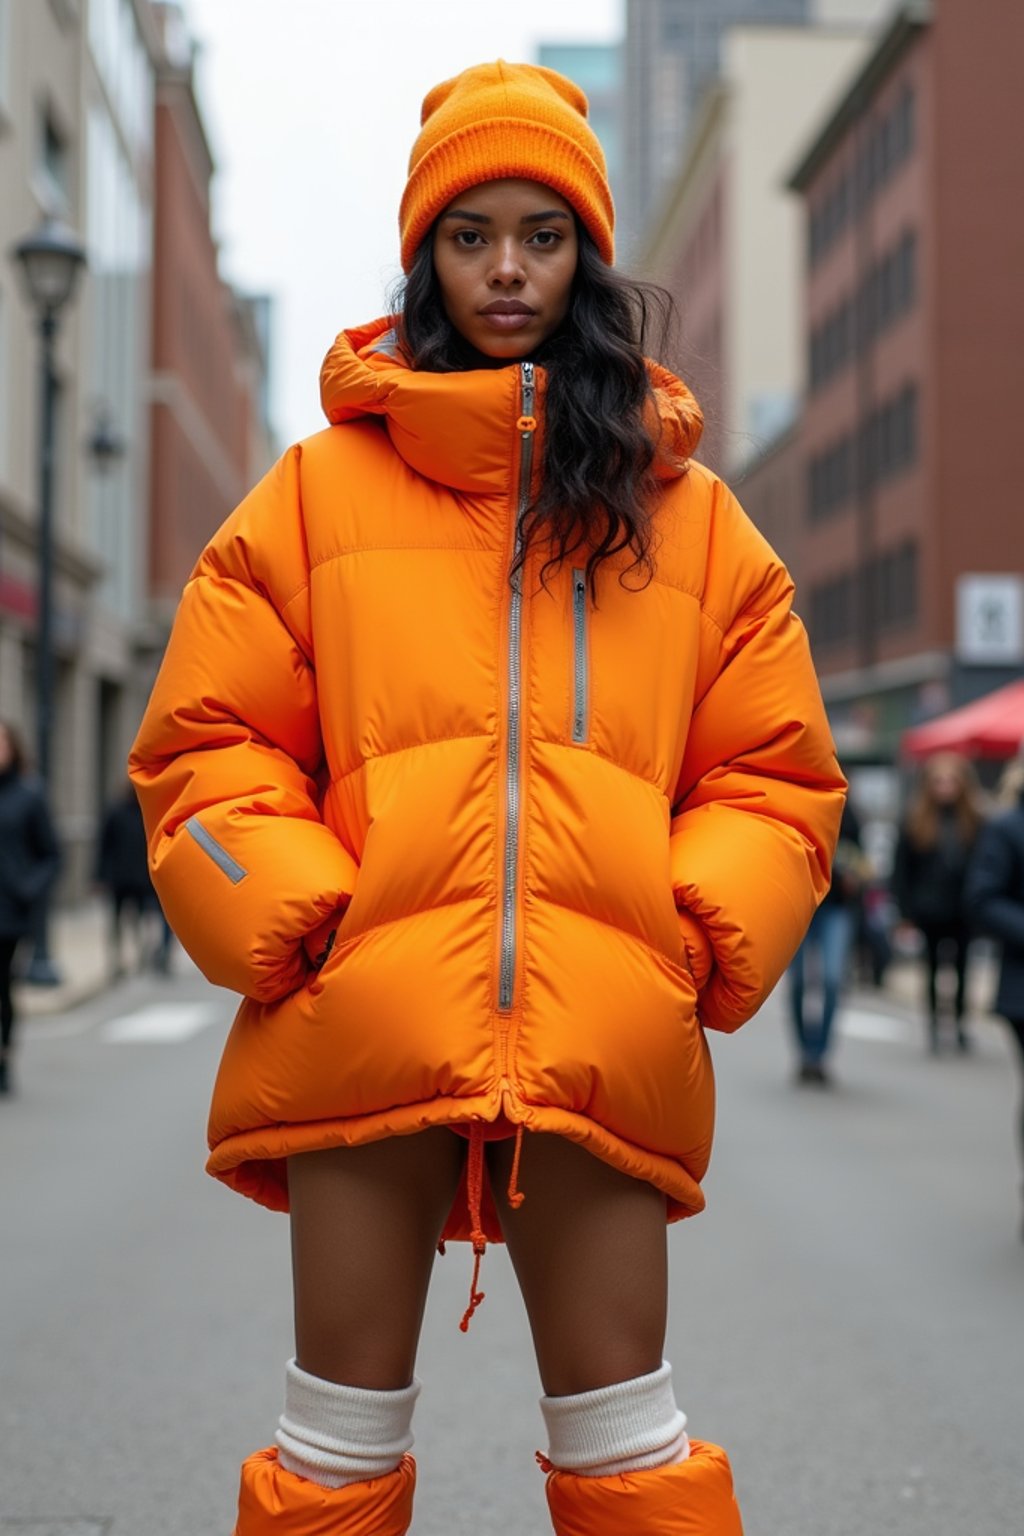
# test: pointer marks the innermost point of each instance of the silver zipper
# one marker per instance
(581, 682)
(507, 969)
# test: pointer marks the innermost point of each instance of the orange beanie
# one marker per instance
(498, 120)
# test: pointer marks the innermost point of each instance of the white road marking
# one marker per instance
(161, 1022)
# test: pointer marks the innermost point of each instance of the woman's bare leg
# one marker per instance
(590, 1253)
(365, 1223)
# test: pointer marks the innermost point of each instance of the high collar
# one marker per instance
(459, 428)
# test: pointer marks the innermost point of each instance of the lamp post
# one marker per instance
(49, 260)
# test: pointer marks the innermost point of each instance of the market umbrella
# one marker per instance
(993, 726)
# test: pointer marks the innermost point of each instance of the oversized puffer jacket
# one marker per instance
(478, 851)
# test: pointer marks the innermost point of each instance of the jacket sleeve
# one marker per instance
(226, 757)
(994, 879)
(759, 798)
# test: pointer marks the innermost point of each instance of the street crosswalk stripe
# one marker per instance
(159, 1023)
(863, 1024)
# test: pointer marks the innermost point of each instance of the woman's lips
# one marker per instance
(507, 320)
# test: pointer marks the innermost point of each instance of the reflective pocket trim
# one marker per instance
(219, 855)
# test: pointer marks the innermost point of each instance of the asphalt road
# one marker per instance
(847, 1316)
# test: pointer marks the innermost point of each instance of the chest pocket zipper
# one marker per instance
(580, 660)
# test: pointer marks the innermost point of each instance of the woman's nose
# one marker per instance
(507, 268)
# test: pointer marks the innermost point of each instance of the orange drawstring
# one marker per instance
(474, 1199)
(543, 1462)
(515, 1195)
(474, 1193)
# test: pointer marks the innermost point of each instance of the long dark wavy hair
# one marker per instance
(597, 485)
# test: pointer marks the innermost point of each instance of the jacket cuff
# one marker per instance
(699, 956)
(321, 940)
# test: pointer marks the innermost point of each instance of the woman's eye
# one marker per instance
(546, 238)
(468, 238)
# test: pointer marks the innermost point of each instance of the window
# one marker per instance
(887, 439)
(903, 124)
(830, 479)
(906, 267)
(833, 616)
(892, 581)
(53, 162)
(829, 217)
(888, 290)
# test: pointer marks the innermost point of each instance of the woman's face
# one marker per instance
(505, 256)
(944, 781)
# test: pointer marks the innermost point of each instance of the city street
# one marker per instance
(846, 1316)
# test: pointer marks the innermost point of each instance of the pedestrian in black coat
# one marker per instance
(932, 854)
(994, 900)
(29, 861)
(122, 868)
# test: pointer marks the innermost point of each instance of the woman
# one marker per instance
(995, 899)
(485, 751)
(932, 852)
(29, 861)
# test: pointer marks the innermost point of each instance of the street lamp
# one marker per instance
(105, 444)
(49, 261)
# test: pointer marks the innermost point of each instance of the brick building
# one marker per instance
(209, 438)
(912, 455)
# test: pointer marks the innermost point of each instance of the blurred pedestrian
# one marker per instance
(933, 849)
(29, 861)
(994, 899)
(482, 611)
(823, 957)
(122, 869)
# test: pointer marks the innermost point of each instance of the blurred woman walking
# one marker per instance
(932, 853)
(28, 863)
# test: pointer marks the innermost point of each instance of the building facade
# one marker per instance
(672, 53)
(88, 125)
(911, 559)
(76, 143)
(728, 242)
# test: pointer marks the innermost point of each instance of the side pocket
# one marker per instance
(580, 659)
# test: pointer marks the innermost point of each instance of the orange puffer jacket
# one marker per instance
(552, 838)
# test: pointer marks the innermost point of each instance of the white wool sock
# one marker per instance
(335, 1435)
(628, 1427)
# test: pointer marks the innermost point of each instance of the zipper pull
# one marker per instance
(527, 422)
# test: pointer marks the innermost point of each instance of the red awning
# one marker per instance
(993, 726)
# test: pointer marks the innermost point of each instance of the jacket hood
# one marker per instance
(453, 427)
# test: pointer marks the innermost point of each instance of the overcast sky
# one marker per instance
(311, 108)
